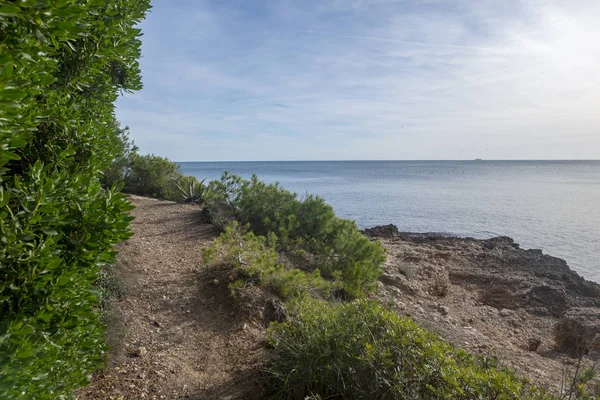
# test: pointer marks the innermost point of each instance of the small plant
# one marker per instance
(581, 384)
(191, 190)
(110, 286)
(360, 350)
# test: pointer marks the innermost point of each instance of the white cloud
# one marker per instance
(366, 80)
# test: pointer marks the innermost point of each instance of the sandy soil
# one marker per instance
(176, 334)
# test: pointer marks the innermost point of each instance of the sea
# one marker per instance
(549, 205)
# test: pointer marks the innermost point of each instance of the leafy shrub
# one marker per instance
(124, 151)
(149, 175)
(152, 176)
(253, 261)
(62, 65)
(58, 230)
(341, 252)
(360, 350)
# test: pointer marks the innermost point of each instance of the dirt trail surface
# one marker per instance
(176, 334)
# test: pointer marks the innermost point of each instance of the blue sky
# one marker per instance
(368, 79)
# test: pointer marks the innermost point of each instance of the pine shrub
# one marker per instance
(341, 252)
(361, 350)
(248, 259)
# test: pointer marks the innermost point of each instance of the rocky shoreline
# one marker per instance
(491, 297)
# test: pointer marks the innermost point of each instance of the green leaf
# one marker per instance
(25, 353)
(12, 94)
(47, 79)
(9, 104)
(25, 330)
(66, 25)
(40, 376)
(4, 197)
(10, 155)
(18, 143)
(7, 70)
(10, 10)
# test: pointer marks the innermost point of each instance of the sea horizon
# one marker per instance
(392, 160)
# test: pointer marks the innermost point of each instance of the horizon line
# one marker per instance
(398, 160)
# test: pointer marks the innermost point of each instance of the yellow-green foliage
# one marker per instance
(254, 261)
(338, 248)
(361, 350)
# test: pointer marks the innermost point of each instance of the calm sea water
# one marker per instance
(549, 205)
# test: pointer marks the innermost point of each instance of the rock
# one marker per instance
(274, 310)
(386, 231)
(215, 282)
(500, 241)
(437, 280)
(399, 281)
(578, 332)
(505, 312)
(549, 298)
(141, 351)
(533, 344)
(498, 297)
(510, 296)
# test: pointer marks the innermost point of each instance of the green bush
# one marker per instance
(340, 251)
(360, 350)
(350, 257)
(124, 151)
(252, 260)
(62, 65)
(148, 175)
(152, 176)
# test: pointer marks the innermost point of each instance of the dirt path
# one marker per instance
(176, 334)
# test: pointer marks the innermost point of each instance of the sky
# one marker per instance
(235, 80)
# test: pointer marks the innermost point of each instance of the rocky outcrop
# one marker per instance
(578, 332)
(525, 307)
(506, 275)
(385, 231)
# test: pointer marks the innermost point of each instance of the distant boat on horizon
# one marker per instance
(478, 159)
